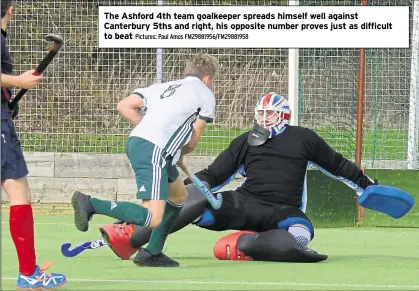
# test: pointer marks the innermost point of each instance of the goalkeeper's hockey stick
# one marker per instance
(215, 202)
(90, 245)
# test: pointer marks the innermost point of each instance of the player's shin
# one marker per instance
(193, 207)
(22, 230)
(160, 233)
(124, 211)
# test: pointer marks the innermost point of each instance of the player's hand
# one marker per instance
(371, 181)
(179, 163)
(28, 80)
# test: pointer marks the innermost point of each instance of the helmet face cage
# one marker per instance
(272, 112)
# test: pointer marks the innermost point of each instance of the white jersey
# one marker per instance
(171, 109)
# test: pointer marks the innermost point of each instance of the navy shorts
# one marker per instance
(13, 164)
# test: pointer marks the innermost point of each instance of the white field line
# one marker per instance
(373, 286)
(383, 230)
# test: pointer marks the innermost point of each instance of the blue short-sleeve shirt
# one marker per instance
(6, 68)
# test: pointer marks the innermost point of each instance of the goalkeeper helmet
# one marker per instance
(273, 113)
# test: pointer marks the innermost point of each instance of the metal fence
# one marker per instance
(74, 109)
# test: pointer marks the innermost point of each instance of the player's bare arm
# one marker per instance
(196, 135)
(26, 80)
(128, 108)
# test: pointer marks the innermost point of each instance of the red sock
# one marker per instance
(21, 228)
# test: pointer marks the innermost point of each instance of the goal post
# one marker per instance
(360, 212)
(413, 133)
(160, 57)
(293, 77)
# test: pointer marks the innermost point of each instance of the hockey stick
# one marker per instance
(56, 46)
(213, 201)
(90, 245)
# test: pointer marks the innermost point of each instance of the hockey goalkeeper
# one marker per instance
(268, 209)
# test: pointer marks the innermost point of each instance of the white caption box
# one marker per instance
(253, 27)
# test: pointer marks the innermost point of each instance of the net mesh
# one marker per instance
(391, 93)
(74, 108)
(328, 97)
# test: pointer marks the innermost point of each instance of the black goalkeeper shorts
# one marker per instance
(239, 212)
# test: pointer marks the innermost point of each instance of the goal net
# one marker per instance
(74, 109)
(329, 91)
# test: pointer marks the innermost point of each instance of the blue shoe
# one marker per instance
(41, 280)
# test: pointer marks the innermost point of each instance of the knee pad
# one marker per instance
(206, 219)
(290, 221)
(300, 228)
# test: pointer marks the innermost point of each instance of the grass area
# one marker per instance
(359, 259)
(380, 144)
(212, 142)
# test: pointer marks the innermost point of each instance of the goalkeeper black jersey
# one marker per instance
(275, 171)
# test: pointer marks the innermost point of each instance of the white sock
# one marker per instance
(301, 233)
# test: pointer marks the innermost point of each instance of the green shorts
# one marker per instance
(153, 173)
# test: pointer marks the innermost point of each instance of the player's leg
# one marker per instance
(175, 198)
(295, 222)
(145, 159)
(282, 235)
(193, 208)
(230, 216)
(14, 182)
(197, 211)
(124, 239)
(283, 238)
(284, 230)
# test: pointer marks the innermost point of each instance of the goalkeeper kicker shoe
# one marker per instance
(146, 259)
(41, 280)
(83, 210)
(117, 236)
